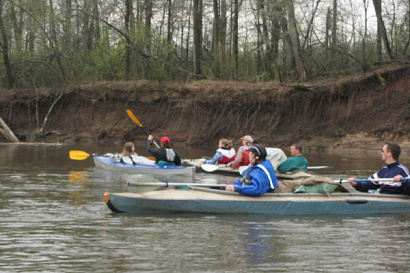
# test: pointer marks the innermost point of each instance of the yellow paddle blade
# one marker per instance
(78, 155)
(134, 118)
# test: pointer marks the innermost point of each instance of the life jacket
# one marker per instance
(245, 158)
(243, 161)
(227, 155)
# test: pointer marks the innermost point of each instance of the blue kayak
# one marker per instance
(144, 167)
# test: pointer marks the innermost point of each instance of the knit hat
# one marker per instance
(258, 150)
(165, 140)
(248, 138)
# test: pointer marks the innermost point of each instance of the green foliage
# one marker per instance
(50, 45)
(105, 62)
(338, 133)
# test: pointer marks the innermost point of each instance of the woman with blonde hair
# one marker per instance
(128, 152)
(224, 154)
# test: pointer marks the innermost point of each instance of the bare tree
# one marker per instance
(128, 18)
(381, 30)
(4, 44)
(197, 11)
(235, 45)
(216, 38)
(295, 41)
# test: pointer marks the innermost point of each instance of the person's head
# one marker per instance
(225, 143)
(128, 149)
(165, 141)
(390, 151)
(295, 149)
(257, 154)
(247, 140)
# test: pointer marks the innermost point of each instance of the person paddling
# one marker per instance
(390, 155)
(259, 177)
(164, 155)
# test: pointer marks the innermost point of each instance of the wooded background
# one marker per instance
(57, 42)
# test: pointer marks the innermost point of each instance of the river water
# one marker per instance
(54, 219)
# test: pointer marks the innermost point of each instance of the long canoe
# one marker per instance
(202, 200)
(142, 168)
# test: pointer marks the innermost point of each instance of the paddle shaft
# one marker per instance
(373, 180)
(136, 121)
(81, 155)
(159, 184)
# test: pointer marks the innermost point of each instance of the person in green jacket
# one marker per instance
(296, 162)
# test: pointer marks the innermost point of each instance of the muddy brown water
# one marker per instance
(54, 219)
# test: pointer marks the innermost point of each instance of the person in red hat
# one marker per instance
(164, 155)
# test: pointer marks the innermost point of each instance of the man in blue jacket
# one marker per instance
(259, 177)
(390, 154)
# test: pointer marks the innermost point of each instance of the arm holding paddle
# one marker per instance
(398, 178)
(164, 155)
(136, 121)
(390, 178)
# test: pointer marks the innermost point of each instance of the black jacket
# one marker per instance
(165, 153)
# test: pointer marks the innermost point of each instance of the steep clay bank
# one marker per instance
(356, 112)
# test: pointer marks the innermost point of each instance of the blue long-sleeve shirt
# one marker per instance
(256, 180)
(215, 159)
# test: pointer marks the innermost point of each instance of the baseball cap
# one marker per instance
(258, 150)
(165, 140)
(248, 138)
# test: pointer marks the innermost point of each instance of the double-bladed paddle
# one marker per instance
(81, 155)
(136, 121)
(170, 184)
(375, 180)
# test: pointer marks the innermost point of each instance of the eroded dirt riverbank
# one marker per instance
(357, 112)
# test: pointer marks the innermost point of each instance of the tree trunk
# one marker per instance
(4, 44)
(148, 22)
(17, 20)
(170, 22)
(222, 31)
(334, 25)
(197, 11)
(216, 39)
(381, 29)
(67, 28)
(6, 132)
(327, 32)
(275, 21)
(128, 11)
(265, 38)
(295, 41)
(235, 45)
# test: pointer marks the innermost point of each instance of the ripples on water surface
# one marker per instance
(54, 219)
